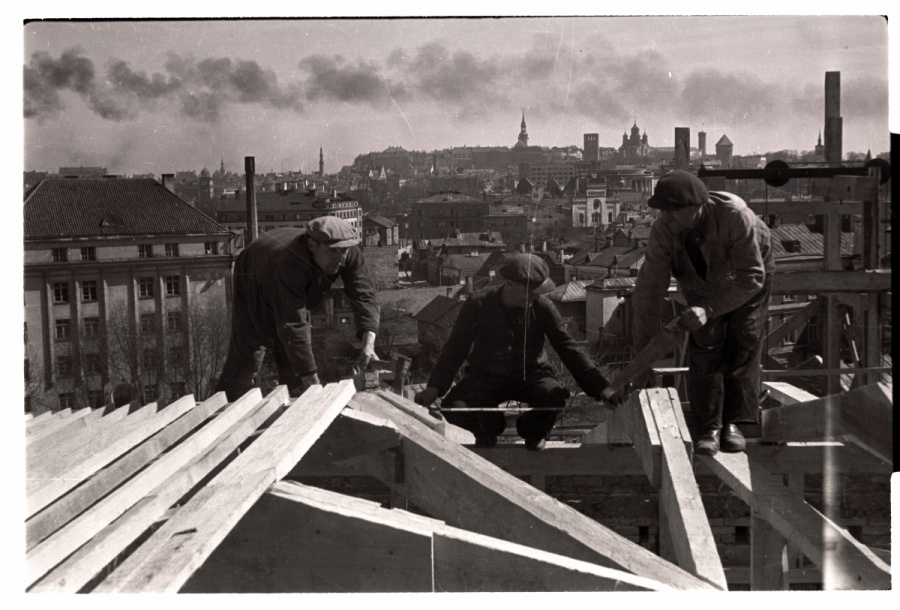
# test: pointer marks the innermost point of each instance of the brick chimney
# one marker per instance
(168, 181)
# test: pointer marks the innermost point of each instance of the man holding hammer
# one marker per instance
(278, 280)
(720, 254)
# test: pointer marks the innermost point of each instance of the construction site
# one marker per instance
(353, 487)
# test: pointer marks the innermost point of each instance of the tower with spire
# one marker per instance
(523, 134)
(820, 148)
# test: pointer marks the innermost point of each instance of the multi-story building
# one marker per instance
(443, 214)
(289, 208)
(127, 288)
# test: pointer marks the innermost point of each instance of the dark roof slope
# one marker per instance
(90, 208)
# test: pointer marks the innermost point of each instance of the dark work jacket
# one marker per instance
(483, 335)
(737, 249)
(278, 282)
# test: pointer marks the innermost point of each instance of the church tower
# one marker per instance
(523, 134)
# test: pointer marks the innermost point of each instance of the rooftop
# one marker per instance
(110, 207)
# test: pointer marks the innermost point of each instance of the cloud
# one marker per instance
(332, 79)
(45, 77)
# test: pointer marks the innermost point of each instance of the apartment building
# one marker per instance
(119, 275)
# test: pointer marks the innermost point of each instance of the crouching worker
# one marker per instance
(501, 333)
(278, 280)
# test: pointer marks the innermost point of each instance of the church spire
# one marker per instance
(523, 134)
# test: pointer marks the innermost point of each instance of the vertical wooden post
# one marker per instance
(768, 557)
(831, 352)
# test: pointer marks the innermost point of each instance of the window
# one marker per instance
(26, 332)
(92, 364)
(96, 399)
(149, 359)
(173, 321)
(173, 285)
(171, 249)
(145, 251)
(145, 287)
(91, 327)
(211, 247)
(66, 400)
(64, 366)
(60, 255)
(27, 370)
(150, 391)
(60, 292)
(62, 330)
(148, 323)
(176, 354)
(89, 290)
(89, 254)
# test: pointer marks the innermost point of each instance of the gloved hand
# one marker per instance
(310, 380)
(427, 396)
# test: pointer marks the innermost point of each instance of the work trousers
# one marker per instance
(246, 351)
(480, 391)
(723, 364)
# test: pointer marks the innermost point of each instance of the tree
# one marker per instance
(207, 334)
(135, 353)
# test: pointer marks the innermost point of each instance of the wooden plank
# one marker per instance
(297, 539)
(29, 416)
(351, 434)
(812, 208)
(46, 418)
(454, 433)
(646, 437)
(65, 541)
(688, 525)
(55, 425)
(787, 394)
(184, 542)
(72, 504)
(768, 557)
(43, 489)
(777, 335)
(841, 189)
(851, 564)
(43, 461)
(88, 561)
(454, 484)
(816, 282)
(865, 412)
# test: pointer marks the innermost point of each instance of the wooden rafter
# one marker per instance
(866, 413)
(851, 565)
(183, 543)
(303, 539)
(456, 485)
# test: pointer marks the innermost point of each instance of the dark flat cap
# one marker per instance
(530, 270)
(336, 232)
(678, 189)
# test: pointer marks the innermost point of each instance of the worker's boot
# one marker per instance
(732, 440)
(708, 443)
(535, 444)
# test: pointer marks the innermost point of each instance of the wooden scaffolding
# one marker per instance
(205, 497)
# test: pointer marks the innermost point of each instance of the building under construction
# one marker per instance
(350, 490)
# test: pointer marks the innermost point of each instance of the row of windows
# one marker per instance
(91, 328)
(93, 364)
(96, 398)
(61, 255)
(89, 290)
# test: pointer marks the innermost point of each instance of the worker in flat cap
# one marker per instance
(720, 254)
(278, 279)
(500, 332)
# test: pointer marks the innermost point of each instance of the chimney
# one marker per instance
(250, 170)
(168, 181)
(833, 120)
(334, 193)
(470, 284)
(522, 248)
(449, 291)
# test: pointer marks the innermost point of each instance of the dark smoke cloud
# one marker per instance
(46, 76)
(729, 97)
(330, 78)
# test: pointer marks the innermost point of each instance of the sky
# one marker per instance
(159, 96)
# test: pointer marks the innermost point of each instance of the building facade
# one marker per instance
(122, 280)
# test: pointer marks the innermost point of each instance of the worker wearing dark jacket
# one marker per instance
(501, 334)
(720, 253)
(278, 280)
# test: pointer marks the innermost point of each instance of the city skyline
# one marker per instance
(162, 96)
